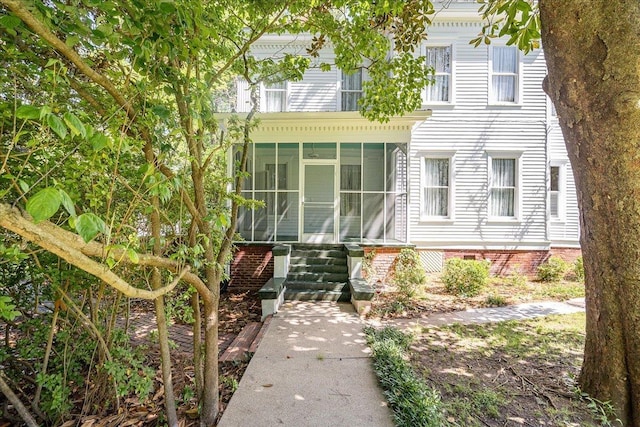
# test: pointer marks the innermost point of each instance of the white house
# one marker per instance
(480, 171)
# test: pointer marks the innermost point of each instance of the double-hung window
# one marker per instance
(437, 187)
(438, 58)
(275, 97)
(557, 171)
(504, 71)
(350, 90)
(504, 183)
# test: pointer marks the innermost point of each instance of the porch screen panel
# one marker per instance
(287, 218)
(373, 167)
(319, 199)
(247, 183)
(245, 221)
(264, 223)
(373, 216)
(396, 217)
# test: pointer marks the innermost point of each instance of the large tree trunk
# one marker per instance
(592, 49)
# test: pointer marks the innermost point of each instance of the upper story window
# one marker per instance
(350, 90)
(274, 97)
(439, 58)
(504, 72)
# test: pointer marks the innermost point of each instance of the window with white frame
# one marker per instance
(503, 187)
(436, 187)
(557, 172)
(438, 58)
(504, 72)
(350, 90)
(275, 97)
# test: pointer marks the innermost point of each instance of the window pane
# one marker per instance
(439, 89)
(396, 158)
(350, 177)
(555, 178)
(504, 88)
(287, 216)
(439, 58)
(311, 150)
(437, 172)
(350, 101)
(502, 202)
(265, 166)
(373, 167)
(373, 216)
(554, 203)
(288, 158)
(352, 81)
(505, 60)
(436, 201)
(504, 172)
(350, 204)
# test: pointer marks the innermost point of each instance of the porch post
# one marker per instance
(281, 257)
(354, 261)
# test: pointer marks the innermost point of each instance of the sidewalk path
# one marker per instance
(312, 368)
(486, 315)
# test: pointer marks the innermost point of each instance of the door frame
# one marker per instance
(319, 237)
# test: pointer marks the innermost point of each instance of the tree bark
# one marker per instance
(592, 49)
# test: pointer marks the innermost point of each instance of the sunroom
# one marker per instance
(328, 178)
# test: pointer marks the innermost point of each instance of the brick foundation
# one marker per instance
(383, 262)
(251, 267)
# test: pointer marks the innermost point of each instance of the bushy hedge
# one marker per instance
(408, 275)
(465, 277)
(413, 402)
(552, 270)
(578, 269)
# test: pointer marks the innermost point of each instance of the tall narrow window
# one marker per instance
(504, 74)
(554, 192)
(436, 187)
(503, 187)
(351, 90)
(439, 59)
(275, 97)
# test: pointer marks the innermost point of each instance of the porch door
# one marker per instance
(319, 203)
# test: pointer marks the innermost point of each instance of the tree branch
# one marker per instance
(75, 251)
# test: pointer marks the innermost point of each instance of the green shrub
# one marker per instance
(578, 269)
(465, 277)
(409, 275)
(413, 402)
(516, 279)
(552, 270)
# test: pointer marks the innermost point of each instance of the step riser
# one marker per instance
(319, 254)
(316, 296)
(316, 261)
(317, 277)
(313, 268)
(328, 287)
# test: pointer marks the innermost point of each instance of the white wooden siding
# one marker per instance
(470, 127)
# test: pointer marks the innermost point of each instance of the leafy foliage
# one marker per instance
(465, 277)
(552, 270)
(578, 269)
(408, 273)
(413, 402)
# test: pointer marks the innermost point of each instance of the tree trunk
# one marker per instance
(210, 395)
(592, 49)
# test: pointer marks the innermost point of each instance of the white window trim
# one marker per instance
(517, 209)
(551, 113)
(339, 88)
(263, 97)
(451, 155)
(452, 75)
(562, 191)
(519, 80)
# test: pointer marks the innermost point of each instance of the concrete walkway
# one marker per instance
(312, 368)
(485, 315)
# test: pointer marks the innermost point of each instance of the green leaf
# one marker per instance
(23, 186)
(133, 256)
(28, 112)
(67, 203)
(9, 22)
(89, 225)
(74, 123)
(44, 204)
(98, 141)
(57, 125)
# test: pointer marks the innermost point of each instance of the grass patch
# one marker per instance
(413, 402)
(507, 373)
